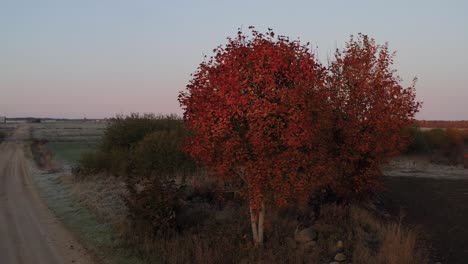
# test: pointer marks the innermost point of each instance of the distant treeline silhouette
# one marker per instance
(442, 123)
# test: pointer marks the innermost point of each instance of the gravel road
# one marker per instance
(29, 232)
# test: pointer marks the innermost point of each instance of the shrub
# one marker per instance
(92, 163)
(152, 203)
(2, 136)
(443, 145)
(154, 186)
(118, 161)
(126, 131)
(161, 153)
(114, 154)
(418, 142)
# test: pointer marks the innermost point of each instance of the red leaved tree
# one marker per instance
(256, 110)
(370, 110)
(266, 116)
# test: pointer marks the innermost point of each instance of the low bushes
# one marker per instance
(2, 136)
(224, 237)
(145, 151)
(443, 145)
(156, 182)
(159, 153)
(116, 154)
(152, 204)
(92, 163)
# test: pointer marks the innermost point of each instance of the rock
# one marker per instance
(340, 257)
(291, 242)
(245, 261)
(305, 235)
(339, 245)
(309, 245)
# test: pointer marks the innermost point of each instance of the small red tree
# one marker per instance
(256, 110)
(370, 110)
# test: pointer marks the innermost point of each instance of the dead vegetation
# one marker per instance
(43, 157)
(212, 230)
(386, 242)
(104, 196)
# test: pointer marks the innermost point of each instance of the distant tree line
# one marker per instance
(442, 124)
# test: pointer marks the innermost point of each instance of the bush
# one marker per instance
(147, 151)
(443, 145)
(92, 163)
(114, 154)
(161, 153)
(155, 184)
(2, 136)
(126, 131)
(418, 142)
(152, 203)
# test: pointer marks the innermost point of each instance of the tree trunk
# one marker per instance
(261, 219)
(257, 219)
(253, 221)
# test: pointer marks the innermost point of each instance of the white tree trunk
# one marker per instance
(257, 219)
(261, 220)
(253, 221)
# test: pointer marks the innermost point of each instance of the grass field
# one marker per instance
(69, 152)
(90, 132)
(67, 140)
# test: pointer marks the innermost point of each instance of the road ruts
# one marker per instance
(29, 232)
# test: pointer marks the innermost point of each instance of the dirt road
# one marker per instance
(29, 232)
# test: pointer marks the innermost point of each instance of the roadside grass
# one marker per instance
(62, 195)
(96, 234)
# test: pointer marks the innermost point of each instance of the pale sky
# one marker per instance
(96, 58)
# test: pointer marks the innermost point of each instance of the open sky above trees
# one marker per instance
(93, 59)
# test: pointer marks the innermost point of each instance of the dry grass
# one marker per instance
(384, 242)
(68, 131)
(214, 232)
(44, 158)
(104, 196)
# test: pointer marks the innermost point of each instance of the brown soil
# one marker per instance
(29, 232)
(439, 207)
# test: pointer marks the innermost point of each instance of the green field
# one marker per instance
(68, 140)
(69, 152)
